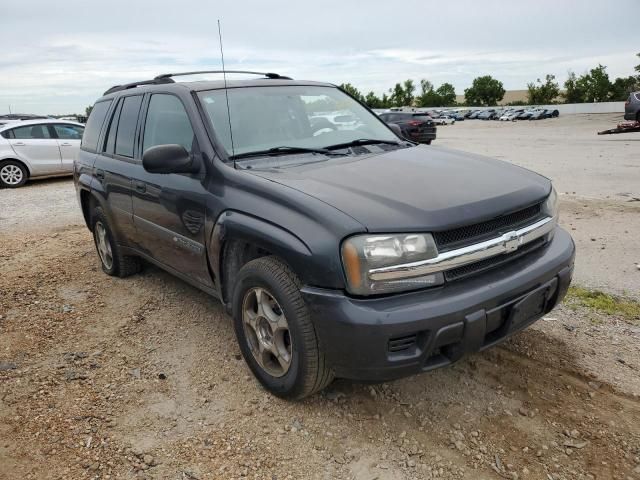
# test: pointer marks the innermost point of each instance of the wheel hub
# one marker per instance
(267, 331)
(11, 174)
(103, 245)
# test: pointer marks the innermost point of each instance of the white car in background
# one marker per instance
(37, 148)
(443, 120)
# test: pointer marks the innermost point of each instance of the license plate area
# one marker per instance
(532, 306)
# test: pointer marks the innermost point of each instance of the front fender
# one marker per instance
(234, 225)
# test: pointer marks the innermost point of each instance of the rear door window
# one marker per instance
(94, 125)
(127, 124)
(110, 136)
(69, 132)
(31, 132)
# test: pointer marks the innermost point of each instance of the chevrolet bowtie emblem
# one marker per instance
(511, 241)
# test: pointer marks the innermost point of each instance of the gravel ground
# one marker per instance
(142, 378)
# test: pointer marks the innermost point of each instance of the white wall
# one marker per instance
(600, 107)
(563, 108)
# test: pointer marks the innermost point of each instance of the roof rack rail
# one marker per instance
(155, 81)
(272, 76)
(167, 78)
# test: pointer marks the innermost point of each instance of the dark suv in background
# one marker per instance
(339, 248)
(417, 127)
(632, 107)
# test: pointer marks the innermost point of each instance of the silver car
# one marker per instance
(37, 148)
(632, 107)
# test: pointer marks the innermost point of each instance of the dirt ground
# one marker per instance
(142, 378)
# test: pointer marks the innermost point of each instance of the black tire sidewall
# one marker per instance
(284, 386)
(25, 174)
(98, 216)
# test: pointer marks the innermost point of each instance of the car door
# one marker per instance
(35, 145)
(116, 163)
(68, 137)
(169, 209)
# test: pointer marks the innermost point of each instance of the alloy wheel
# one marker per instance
(103, 245)
(267, 331)
(11, 174)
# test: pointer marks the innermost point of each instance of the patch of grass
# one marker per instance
(605, 303)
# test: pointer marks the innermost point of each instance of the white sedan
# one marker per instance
(443, 120)
(37, 148)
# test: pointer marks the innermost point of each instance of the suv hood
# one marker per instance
(416, 189)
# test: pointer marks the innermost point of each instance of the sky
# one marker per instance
(59, 57)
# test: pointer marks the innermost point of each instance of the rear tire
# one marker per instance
(275, 332)
(112, 260)
(13, 174)
(428, 142)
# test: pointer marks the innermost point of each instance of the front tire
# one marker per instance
(275, 332)
(112, 260)
(13, 174)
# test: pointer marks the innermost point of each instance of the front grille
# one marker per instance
(486, 264)
(470, 234)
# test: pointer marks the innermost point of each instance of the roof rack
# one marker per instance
(167, 78)
(272, 76)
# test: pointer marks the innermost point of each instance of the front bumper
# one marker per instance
(379, 339)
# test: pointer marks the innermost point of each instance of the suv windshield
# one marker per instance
(308, 117)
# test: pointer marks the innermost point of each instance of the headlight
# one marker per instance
(550, 205)
(363, 253)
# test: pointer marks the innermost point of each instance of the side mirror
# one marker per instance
(171, 158)
(396, 129)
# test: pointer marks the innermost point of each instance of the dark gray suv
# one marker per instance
(339, 248)
(632, 107)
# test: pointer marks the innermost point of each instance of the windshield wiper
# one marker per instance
(272, 152)
(360, 141)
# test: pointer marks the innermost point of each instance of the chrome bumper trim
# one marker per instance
(507, 243)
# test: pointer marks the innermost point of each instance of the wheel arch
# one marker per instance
(17, 160)
(238, 238)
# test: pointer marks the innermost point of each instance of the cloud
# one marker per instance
(58, 58)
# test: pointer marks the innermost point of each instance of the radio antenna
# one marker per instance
(226, 93)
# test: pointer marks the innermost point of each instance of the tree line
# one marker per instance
(592, 86)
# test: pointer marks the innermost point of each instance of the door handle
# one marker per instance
(100, 174)
(65, 145)
(19, 144)
(140, 187)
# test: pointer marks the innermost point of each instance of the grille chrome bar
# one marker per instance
(507, 243)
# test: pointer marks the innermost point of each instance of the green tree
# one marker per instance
(621, 87)
(543, 93)
(447, 94)
(353, 91)
(428, 96)
(373, 101)
(484, 91)
(638, 66)
(409, 91)
(573, 90)
(88, 110)
(596, 84)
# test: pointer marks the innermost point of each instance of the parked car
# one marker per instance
(22, 116)
(539, 114)
(474, 115)
(37, 148)
(510, 115)
(487, 114)
(443, 119)
(350, 253)
(457, 116)
(632, 107)
(418, 127)
(525, 115)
